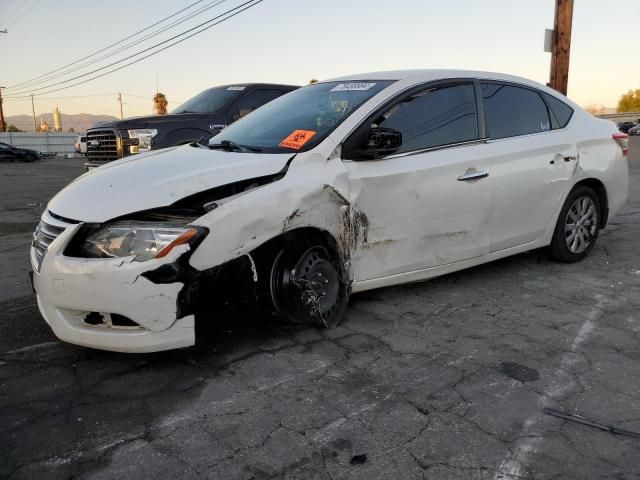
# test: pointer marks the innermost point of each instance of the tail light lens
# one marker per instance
(622, 139)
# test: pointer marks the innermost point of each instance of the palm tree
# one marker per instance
(160, 103)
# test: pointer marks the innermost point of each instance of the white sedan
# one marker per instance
(341, 186)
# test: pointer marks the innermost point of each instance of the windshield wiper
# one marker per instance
(228, 145)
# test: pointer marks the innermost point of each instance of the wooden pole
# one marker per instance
(120, 102)
(33, 111)
(559, 77)
(3, 126)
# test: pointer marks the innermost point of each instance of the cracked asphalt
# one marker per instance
(440, 380)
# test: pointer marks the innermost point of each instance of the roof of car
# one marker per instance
(426, 75)
(278, 85)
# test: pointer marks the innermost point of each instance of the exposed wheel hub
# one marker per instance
(308, 290)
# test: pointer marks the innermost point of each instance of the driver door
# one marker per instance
(427, 204)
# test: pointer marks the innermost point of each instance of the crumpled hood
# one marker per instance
(157, 179)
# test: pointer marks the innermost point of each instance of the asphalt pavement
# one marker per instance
(445, 379)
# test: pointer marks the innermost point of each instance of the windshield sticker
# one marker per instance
(352, 86)
(236, 88)
(297, 139)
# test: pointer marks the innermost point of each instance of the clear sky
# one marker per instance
(292, 41)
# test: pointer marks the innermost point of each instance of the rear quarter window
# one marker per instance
(561, 113)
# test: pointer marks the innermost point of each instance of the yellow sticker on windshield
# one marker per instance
(297, 139)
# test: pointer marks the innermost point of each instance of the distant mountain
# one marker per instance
(79, 121)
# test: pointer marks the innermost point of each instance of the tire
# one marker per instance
(307, 286)
(29, 157)
(578, 226)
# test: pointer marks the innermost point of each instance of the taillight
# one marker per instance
(622, 139)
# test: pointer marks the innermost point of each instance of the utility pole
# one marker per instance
(120, 102)
(559, 77)
(3, 126)
(33, 110)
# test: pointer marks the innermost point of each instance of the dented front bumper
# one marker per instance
(108, 303)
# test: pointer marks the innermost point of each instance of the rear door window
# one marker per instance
(560, 112)
(511, 111)
(437, 116)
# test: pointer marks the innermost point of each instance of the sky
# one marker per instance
(292, 41)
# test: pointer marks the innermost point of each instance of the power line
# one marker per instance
(64, 71)
(23, 13)
(240, 8)
(10, 18)
(13, 12)
(109, 46)
(70, 96)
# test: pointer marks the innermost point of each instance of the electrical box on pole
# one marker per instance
(561, 46)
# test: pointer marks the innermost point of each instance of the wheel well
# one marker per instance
(598, 187)
(306, 236)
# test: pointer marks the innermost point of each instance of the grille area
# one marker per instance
(103, 145)
(48, 229)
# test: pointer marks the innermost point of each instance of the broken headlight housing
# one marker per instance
(145, 139)
(141, 240)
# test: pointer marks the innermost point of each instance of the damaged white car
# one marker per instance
(338, 187)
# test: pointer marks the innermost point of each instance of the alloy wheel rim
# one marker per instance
(580, 225)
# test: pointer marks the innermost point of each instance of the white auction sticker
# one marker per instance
(351, 86)
(236, 88)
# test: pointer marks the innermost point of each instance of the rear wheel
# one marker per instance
(577, 227)
(306, 286)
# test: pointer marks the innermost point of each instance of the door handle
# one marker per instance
(569, 158)
(472, 176)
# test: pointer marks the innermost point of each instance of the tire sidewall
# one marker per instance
(559, 247)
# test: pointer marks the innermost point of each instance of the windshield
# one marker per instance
(211, 100)
(301, 119)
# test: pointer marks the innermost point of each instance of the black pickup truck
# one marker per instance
(203, 116)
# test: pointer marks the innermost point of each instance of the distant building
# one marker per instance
(57, 120)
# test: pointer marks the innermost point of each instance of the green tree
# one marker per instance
(630, 101)
(13, 128)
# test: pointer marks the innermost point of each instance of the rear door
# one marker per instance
(428, 203)
(533, 161)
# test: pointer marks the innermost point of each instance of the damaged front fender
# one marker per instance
(313, 194)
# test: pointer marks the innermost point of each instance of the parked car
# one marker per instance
(13, 154)
(341, 186)
(200, 117)
(80, 145)
(625, 126)
(634, 130)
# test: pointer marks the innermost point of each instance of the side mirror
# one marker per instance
(382, 141)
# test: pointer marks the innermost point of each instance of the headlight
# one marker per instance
(142, 241)
(144, 136)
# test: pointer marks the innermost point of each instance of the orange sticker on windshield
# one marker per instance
(297, 139)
